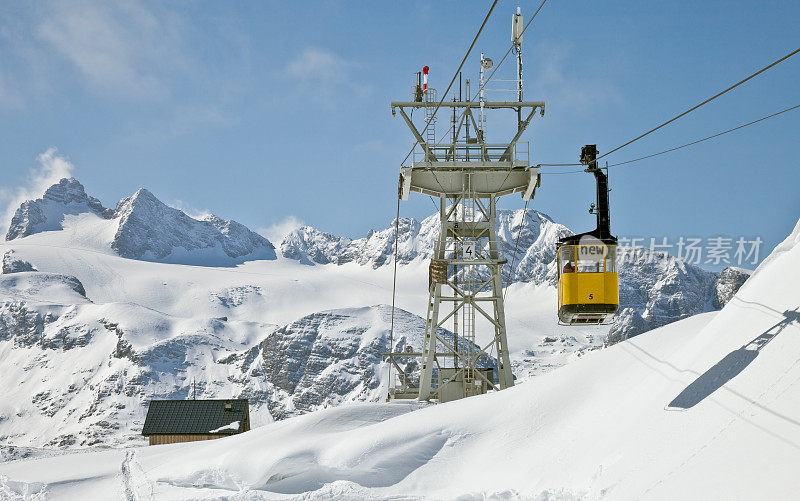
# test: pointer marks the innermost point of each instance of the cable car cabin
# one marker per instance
(588, 284)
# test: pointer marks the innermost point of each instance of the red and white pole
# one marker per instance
(424, 79)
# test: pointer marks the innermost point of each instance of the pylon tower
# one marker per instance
(468, 176)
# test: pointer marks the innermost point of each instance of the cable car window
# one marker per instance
(590, 258)
(566, 262)
(611, 259)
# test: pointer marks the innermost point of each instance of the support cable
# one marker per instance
(514, 257)
(742, 126)
(394, 291)
(707, 138)
(762, 70)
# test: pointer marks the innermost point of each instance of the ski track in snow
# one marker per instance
(126, 476)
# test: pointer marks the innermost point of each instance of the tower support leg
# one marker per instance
(467, 241)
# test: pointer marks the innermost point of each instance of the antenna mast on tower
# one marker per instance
(517, 27)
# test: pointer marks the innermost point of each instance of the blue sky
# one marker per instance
(272, 114)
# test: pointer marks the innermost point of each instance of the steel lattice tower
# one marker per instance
(467, 175)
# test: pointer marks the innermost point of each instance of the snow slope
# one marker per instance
(704, 408)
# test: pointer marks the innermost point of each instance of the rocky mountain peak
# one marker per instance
(146, 228)
(71, 191)
(12, 264)
(67, 196)
(729, 281)
(151, 230)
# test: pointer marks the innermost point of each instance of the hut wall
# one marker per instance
(173, 439)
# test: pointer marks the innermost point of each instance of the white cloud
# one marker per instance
(134, 50)
(567, 85)
(319, 65)
(122, 47)
(275, 233)
(322, 75)
(50, 169)
(189, 210)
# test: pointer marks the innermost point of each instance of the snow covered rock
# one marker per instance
(15, 265)
(42, 287)
(535, 235)
(81, 374)
(47, 213)
(728, 283)
(151, 230)
(331, 357)
(656, 289)
(309, 245)
(416, 241)
(144, 228)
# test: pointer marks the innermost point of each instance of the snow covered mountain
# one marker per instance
(309, 245)
(332, 357)
(704, 408)
(78, 374)
(416, 241)
(141, 227)
(655, 287)
(95, 320)
(67, 197)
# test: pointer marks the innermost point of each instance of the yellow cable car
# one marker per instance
(588, 283)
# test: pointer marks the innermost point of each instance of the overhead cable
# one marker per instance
(742, 126)
(762, 70)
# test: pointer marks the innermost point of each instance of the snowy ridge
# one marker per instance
(143, 227)
(311, 246)
(12, 264)
(655, 287)
(416, 241)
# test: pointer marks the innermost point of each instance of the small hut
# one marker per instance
(171, 421)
